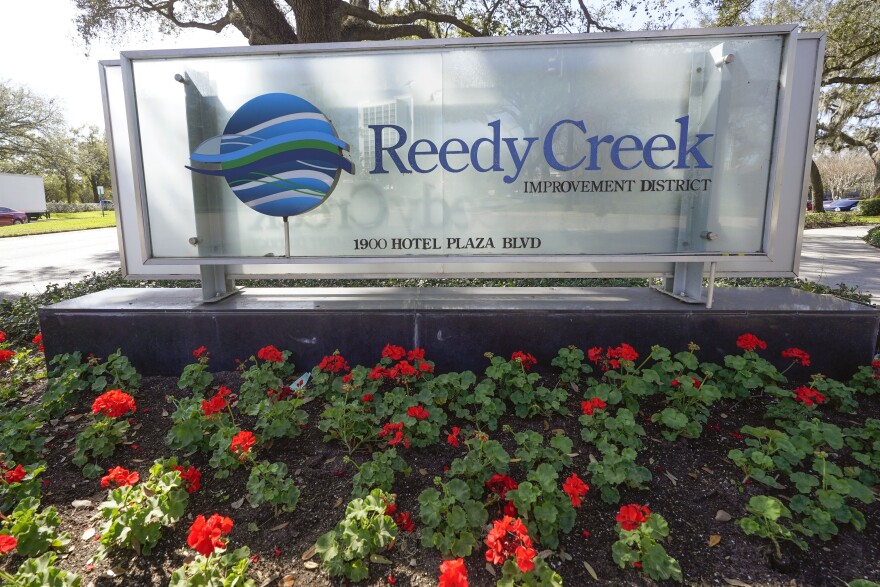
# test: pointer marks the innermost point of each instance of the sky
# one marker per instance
(40, 49)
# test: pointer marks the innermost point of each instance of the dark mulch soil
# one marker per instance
(692, 481)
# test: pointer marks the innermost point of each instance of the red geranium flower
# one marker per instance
(242, 443)
(270, 353)
(5, 355)
(809, 397)
(2, 336)
(378, 372)
(333, 364)
(200, 352)
(575, 489)
(7, 543)
(527, 360)
(121, 477)
(426, 367)
(453, 574)
(404, 522)
(798, 355)
(192, 476)
(588, 407)
(402, 369)
(418, 412)
(623, 352)
(393, 352)
(214, 405)
(395, 430)
(15, 475)
(367, 397)
(414, 354)
(750, 342)
(453, 437)
(500, 485)
(37, 340)
(509, 538)
(632, 516)
(596, 354)
(114, 403)
(206, 536)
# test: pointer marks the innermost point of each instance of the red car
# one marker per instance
(9, 216)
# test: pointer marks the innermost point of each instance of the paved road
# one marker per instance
(839, 255)
(29, 263)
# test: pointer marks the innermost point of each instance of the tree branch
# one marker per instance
(592, 22)
(361, 32)
(407, 18)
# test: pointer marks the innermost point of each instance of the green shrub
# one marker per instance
(870, 207)
(873, 236)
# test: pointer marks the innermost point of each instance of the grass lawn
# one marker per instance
(62, 222)
(832, 219)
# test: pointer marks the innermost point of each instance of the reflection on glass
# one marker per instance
(577, 149)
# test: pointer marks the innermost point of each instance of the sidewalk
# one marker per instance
(839, 255)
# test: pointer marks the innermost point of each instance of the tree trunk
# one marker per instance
(875, 157)
(818, 188)
(68, 189)
(317, 21)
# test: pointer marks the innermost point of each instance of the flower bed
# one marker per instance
(612, 465)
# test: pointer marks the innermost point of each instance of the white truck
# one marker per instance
(24, 193)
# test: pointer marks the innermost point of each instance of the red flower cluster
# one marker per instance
(453, 437)
(217, 403)
(121, 477)
(333, 364)
(750, 342)
(270, 353)
(114, 403)
(588, 407)
(5, 355)
(453, 574)
(38, 340)
(798, 355)
(527, 360)
(395, 430)
(410, 365)
(632, 516)
(697, 383)
(192, 477)
(7, 543)
(2, 336)
(809, 397)
(500, 485)
(875, 367)
(509, 538)
(200, 352)
(402, 519)
(612, 356)
(575, 489)
(418, 412)
(242, 443)
(367, 397)
(206, 536)
(393, 352)
(15, 475)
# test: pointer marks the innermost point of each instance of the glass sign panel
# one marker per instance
(457, 153)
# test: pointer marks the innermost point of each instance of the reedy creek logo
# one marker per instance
(626, 152)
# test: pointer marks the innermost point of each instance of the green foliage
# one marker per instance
(865, 445)
(541, 576)
(190, 429)
(280, 418)
(453, 517)
(867, 378)
(543, 506)
(35, 530)
(196, 377)
(258, 377)
(20, 438)
(478, 404)
(870, 207)
(226, 570)
(350, 420)
(764, 521)
(394, 407)
(222, 460)
(378, 473)
(570, 360)
(98, 440)
(688, 401)
(484, 457)
(603, 429)
(21, 370)
(617, 467)
(642, 545)
(134, 515)
(769, 452)
(364, 532)
(13, 493)
(531, 451)
(744, 373)
(515, 383)
(41, 572)
(269, 483)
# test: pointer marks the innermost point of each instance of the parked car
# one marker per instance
(9, 216)
(841, 205)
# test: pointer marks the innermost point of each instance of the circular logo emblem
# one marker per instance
(279, 154)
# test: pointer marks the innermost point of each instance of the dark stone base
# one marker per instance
(159, 328)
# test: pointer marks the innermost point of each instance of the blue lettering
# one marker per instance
(595, 141)
(518, 161)
(550, 156)
(414, 151)
(650, 148)
(446, 151)
(693, 151)
(392, 150)
(617, 147)
(495, 141)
